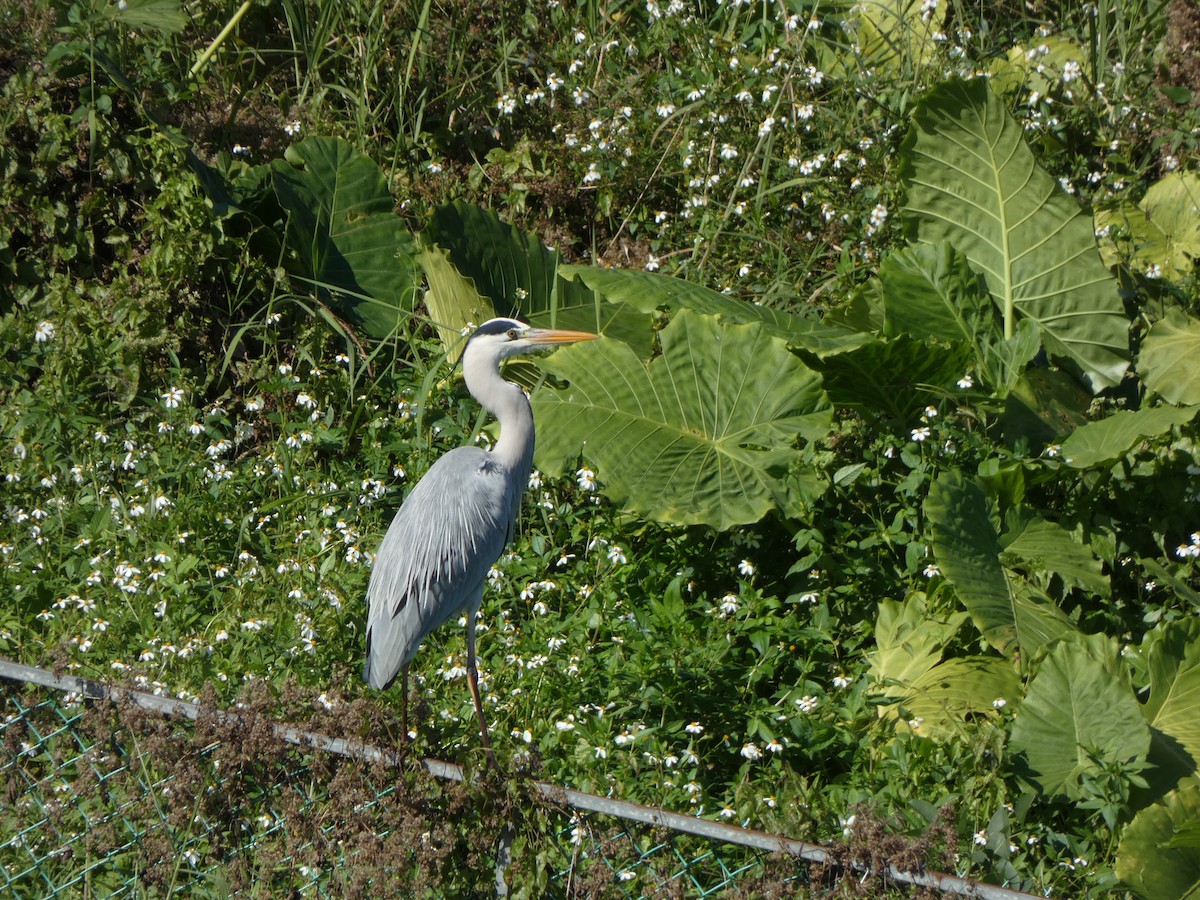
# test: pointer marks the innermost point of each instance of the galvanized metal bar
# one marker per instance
(649, 815)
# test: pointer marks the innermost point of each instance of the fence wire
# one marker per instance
(102, 797)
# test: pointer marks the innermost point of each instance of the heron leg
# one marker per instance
(473, 681)
(404, 703)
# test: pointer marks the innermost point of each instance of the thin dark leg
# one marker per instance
(473, 681)
(404, 703)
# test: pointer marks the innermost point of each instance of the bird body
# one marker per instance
(433, 561)
(431, 575)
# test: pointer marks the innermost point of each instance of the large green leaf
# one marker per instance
(897, 34)
(930, 291)
(908, 640)
(932, 697)
(452, 301)
(1160, 235)
(1167, 361)
(1046, 548)
(1109, 439)
(702, 434)
(166, 16)
(1040, 67)
(942, 700)
(1076, 718)
(1013, 616)
(971, 180)
(519, 276)
(346, 238)
(1174, 704)
(891, 378)
(650, 291)
(1149, 861)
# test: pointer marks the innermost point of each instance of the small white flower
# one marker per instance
(43, 332)
(586, 479)
(694, 728)
(966, 382)
(172, 398)
(920, 434)
(932, 570)
(745, 567)
(751, 751)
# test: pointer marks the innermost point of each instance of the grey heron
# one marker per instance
(433, 561)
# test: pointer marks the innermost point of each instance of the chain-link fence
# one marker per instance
(109, 792)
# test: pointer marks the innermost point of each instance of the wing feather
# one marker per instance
(435, 556)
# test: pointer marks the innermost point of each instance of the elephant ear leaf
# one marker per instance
(343, 233)
(1058, 730)
(971, 180)
(703, 434)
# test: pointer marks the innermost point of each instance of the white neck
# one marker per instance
(509, 405)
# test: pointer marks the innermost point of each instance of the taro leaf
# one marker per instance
(893, 378)
(906, 664)
(1046, 547)
(1012, 615)
(521, 277)
(908, 640)
(1005, 360)
(1077, 717)
(650, 291)
(1174, 704)
(1104, 441)
(1167, 361)
(940, 701)
(897, 34)
(930, 291)
(451, 300)
(1162, 232)
(971, 180)
(703, 434)
(346, 237)
(1148, 858)
(1039, 68)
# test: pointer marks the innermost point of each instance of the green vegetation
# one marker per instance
(881, 493)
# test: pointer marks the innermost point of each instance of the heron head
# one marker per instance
(509, 337)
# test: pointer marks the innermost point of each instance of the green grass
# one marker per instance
(199, 459)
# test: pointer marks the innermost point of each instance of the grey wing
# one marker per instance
(435, 557)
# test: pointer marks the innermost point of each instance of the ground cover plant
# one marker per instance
(878, 500)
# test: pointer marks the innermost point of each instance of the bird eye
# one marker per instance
(512, 334)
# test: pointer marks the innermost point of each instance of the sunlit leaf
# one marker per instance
(702, 434)
(1076, 718)
(1173, 707)
(1047, 546)
(1146, 859)
(650, 291)
(1167, 362)
(519, 276)
(1161, 234)
(1110, 438)
(972, 181)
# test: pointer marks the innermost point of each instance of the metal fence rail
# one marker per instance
(113, 792)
